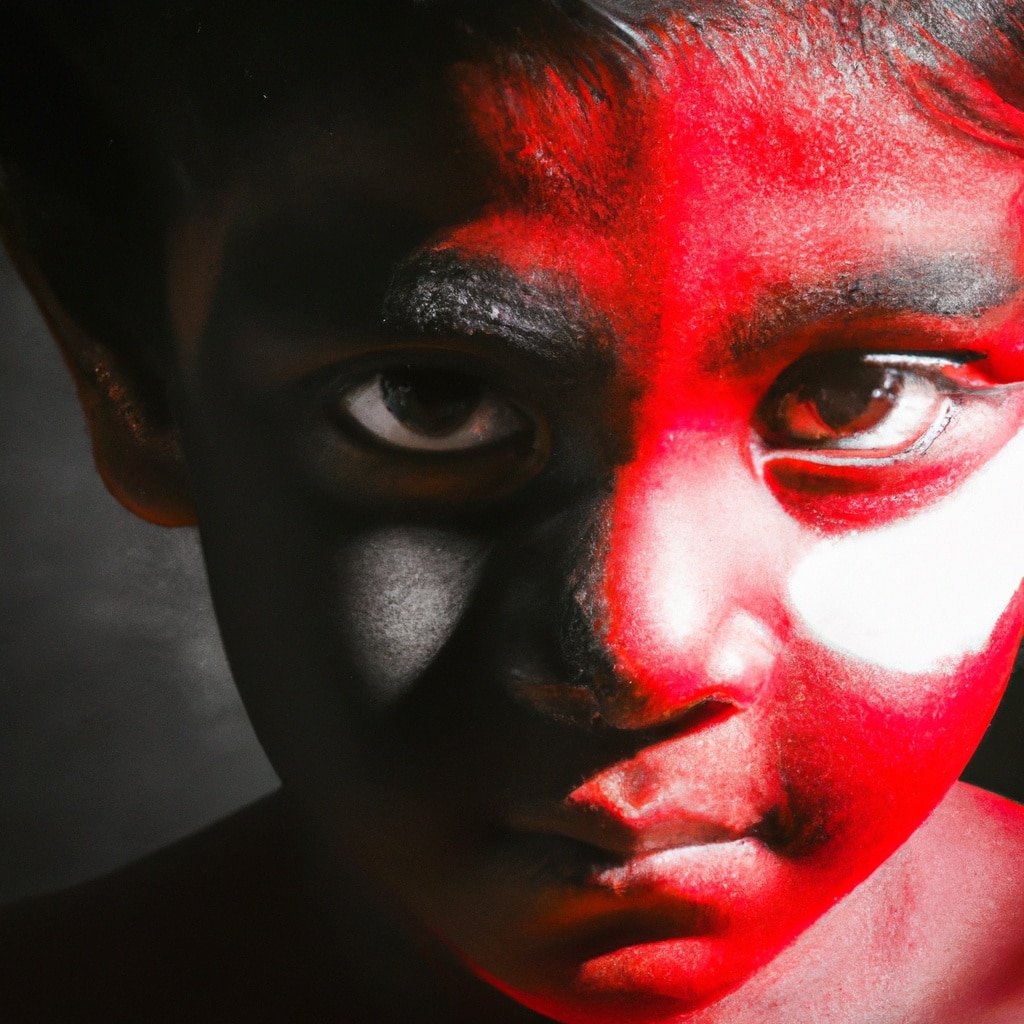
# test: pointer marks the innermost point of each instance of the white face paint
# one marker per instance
(404, 591)
(922, 593)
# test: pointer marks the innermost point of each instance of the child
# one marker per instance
(603, 425)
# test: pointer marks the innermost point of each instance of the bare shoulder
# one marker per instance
(970, 855)
(978, 837)
(935, 936)
(234, 925)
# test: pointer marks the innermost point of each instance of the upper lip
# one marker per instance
(606, 831)
(664, 798)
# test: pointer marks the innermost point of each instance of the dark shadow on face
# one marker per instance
(525, 640)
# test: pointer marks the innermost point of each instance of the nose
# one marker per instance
(670, 601)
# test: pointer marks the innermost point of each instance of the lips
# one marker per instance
(680, 795)
(626, 839)
(668, 848)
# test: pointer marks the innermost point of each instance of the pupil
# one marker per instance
(428, 401)
(860, 397)
(826, 398)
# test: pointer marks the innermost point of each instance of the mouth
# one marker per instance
(673, 844)
(632, 862)
(599, 898)
(600, 852)
(618, 838)
(631, 832)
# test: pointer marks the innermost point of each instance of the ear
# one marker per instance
(135, 442)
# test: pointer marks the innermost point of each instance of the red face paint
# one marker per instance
(720, 245)
(657, 745)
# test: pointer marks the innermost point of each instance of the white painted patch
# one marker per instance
(402, 593)
(921, 593)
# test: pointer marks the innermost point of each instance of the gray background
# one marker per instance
(120, 729)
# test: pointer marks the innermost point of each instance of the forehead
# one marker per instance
(747, 165)
(731, 154)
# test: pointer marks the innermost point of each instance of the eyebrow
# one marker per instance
(445, 291)
(956, 285)
(952, 286)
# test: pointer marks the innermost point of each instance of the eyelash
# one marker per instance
(800, 388)
(419, 409)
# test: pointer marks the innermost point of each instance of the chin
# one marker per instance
(650, 983)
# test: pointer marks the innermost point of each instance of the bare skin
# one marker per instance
(936, 934)
(522, 578)
(224, 928)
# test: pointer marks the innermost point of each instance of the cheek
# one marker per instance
(401, 593)
(922, 594)
(869, 752)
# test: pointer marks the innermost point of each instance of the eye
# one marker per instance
(429, 409)
(856, 402)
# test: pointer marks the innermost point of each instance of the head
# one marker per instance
(601, 426)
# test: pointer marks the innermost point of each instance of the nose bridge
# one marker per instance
(677, 608)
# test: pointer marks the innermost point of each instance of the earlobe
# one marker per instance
(137, 450)
(136, 442)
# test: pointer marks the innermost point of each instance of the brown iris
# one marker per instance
(822, 400)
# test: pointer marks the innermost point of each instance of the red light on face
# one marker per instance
(737, 228)
(656, 631)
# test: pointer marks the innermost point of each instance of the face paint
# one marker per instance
(402, 592)
(742, 208)
(918, 595)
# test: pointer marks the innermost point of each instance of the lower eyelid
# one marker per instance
(763, 455)
(363, 409)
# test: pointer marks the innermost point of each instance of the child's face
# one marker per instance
(644, 583)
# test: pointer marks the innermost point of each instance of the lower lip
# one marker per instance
(658, 922)
(695, 871)
(698, 884)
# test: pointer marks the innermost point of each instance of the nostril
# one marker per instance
(742, 655)
(651, 725)
(550, 694)
(706, 712)
(602, 703)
